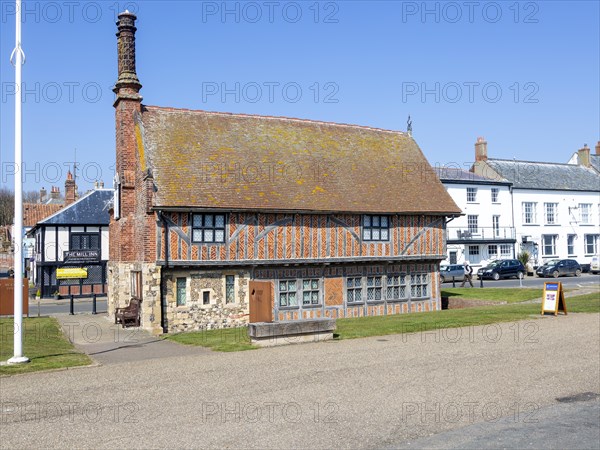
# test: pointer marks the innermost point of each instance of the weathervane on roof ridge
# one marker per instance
(409, 126)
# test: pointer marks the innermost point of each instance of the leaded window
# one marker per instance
(208, 228)
(181, 292)
(288, 293)
(396, 287)
(376, 228)
(419, 285)
(374, 288)
(310, 292)
(354, 289)
(229, 289)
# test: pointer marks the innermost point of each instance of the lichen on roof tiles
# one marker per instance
(201, 159)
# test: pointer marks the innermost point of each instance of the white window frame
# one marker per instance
(571, 244)
(496, 225)
(590, 242)
(471, 195)
(505, 250)
(551, 213)
(554, 238)
(473, 250)
(585, 213)
(473, 223)
(529, 217)
(495, 192)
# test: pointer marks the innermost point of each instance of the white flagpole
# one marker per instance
(18, 233)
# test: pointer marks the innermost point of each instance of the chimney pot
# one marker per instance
(481, 149)
(598, 148)
(583, 156)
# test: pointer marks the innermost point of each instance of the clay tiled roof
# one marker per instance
(35, 212)
(215, 160)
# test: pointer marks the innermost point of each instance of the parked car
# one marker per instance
(502, 268)
(595, 265)
(447, 273)
(559, 267)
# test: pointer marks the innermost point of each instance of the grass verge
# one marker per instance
(44, 344)
(454, 318)
(223, 340)
(509, 295)
(236, 339)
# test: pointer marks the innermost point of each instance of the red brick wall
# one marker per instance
(262, 236)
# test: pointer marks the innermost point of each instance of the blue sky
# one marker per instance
(525, 75)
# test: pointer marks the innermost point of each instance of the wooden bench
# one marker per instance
(129, 313)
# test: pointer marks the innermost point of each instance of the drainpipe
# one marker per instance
(163, 288)
(512, 208)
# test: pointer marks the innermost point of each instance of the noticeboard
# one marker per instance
(71, 272)
(553, 299)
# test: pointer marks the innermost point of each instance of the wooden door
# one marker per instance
(261, 297)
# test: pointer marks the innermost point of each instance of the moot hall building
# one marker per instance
(217, 215)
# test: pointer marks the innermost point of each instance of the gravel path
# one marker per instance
(363, 393)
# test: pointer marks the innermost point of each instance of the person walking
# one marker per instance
(468, 274)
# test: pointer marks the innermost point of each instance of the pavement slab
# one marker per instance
(109, 343)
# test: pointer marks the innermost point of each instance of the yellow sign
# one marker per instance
(553, 299)
(71, 272)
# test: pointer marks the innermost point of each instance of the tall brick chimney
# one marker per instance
(598, 148)
(481, 149)
(583, 156)
(128, 105)
(70, 189)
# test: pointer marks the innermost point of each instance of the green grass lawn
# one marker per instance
(44, 344)
(455, 318)
(224, 340)
(236, 339)
(509, 295)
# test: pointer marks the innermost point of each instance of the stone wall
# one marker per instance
(195, 314)
(119, 291)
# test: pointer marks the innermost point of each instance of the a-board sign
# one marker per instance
(71, 272)
(553, 299)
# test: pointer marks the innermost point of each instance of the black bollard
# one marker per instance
(94, 304)
(480, 282)
(71, 306)
(453, 282)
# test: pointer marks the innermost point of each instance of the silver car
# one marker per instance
(452, 271)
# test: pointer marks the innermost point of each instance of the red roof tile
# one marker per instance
(35, 212)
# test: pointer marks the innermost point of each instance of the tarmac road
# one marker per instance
(389, 391)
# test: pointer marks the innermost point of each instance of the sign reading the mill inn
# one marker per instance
(81, 256)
